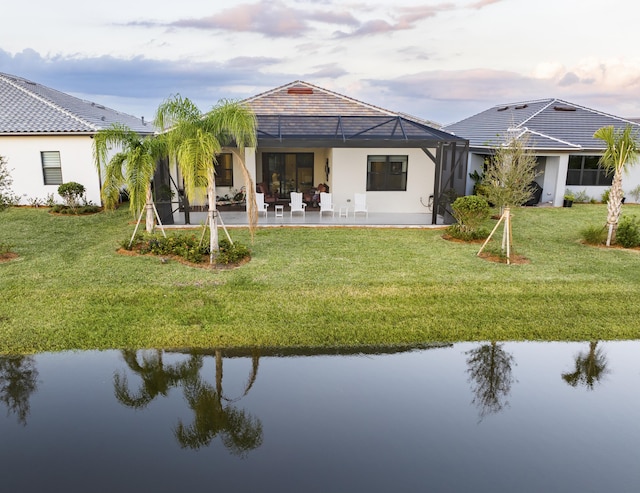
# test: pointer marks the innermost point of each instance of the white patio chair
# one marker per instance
(326, 203)
(262, 207)
(360, 204)
(296, 204)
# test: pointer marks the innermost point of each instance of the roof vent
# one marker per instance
(522, 106)
(300, 90)
(503, 108)
(564, 108)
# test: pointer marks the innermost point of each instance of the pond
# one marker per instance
(512, 417)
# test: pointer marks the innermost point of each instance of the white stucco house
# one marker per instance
(46, 137)
(308, 135)
(560, 133)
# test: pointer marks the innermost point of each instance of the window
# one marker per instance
(51, 167)
(387, 173)
(585, 171)
(224, 170)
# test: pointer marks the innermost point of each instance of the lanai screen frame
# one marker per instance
(450, 159)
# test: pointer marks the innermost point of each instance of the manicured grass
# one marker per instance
(312, 287)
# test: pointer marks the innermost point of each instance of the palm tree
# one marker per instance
(195, 140)
(132, 167)
(622, 149)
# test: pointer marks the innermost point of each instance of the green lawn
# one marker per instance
(312, 287)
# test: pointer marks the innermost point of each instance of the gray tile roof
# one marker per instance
(549, 124)
(30, 108)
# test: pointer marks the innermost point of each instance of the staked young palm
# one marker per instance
(622, 149)
(195, 140)
(132, 167)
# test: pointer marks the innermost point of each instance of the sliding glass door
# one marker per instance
(284, 172)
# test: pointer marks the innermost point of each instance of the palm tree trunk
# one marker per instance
(214, 247)
(150, 218)
(614, 206)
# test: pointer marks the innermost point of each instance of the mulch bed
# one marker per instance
(8, 257)
(165, 259)
(490, 257)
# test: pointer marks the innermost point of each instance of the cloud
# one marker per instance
(141, 84)
(327, 71)
(273, 19)
(483, 3)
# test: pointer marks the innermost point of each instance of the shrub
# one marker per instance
(231, 253)
(594, 235)
(605, 196)
(456, 231)
(470, 212)
(628, 232)
(6, 197)
(71, 192)
(635, 193)
(582, 197)
(84, 209)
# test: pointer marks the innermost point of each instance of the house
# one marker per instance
(46, 137)
(560, 134)
(309, 136)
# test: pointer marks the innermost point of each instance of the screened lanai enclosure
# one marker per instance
(403, 165)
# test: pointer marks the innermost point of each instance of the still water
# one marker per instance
(494, 417)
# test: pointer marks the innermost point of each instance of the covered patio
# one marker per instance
(312, 218)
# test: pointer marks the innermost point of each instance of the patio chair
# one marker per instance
(360, 204)
(296, 204)
(326, 203)
(261, 206)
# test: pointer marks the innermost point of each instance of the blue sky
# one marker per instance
(438, 60)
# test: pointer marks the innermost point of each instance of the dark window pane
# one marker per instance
(224, 170)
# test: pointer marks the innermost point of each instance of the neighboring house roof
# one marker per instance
(30, 108)
(306, 114)
(548, 124)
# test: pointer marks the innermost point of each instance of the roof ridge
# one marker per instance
(539, 111)
(46, 100)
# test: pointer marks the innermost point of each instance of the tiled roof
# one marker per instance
(303, 111)
(549, 124)
(301, 98)
(30, 108)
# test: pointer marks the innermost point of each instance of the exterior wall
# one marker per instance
(25, 164)
(349, 176)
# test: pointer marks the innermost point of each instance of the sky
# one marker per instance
(438, 60)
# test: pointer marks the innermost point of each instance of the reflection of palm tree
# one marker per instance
(490, 371)
(157, 378)
(590, 368)
(239, 431)
(18, 380)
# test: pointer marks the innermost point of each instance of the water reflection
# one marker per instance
(18, 381)
(489, 369)
(213, 412)
(590, 367)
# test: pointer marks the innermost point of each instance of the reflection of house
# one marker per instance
(308, 135)
(560, 134)
(46, 136)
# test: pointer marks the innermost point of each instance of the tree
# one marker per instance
(132, 167)
(508, 182)
(195, 140)
(510, 173)
(622, 149)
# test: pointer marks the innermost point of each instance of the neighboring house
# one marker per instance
(559, 133)
(46, 136)
(308, 135)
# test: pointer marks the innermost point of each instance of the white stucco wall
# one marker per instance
(25, 163)
(349, 176)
